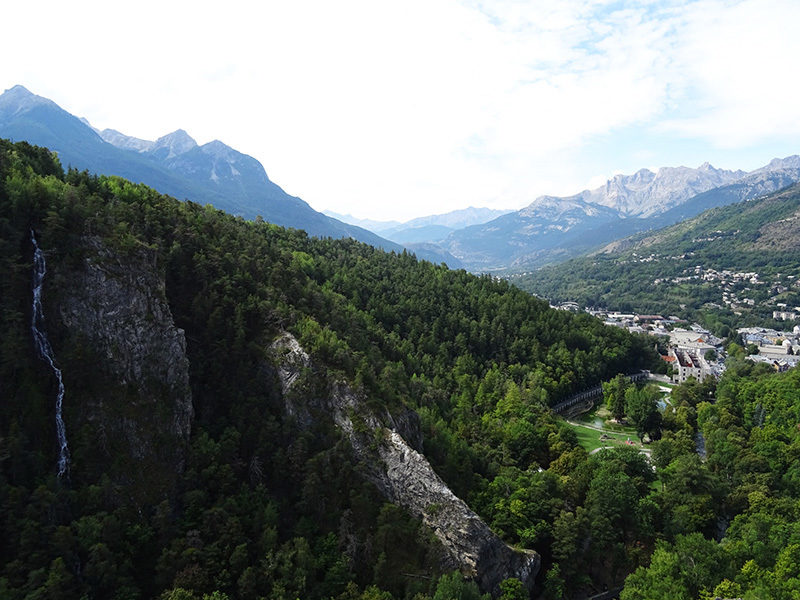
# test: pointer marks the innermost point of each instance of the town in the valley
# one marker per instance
(692, 351)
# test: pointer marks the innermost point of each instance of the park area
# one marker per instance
(595, 430)
(598, 429)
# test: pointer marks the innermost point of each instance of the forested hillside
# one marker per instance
(752, 439)
(248, 493)
(253, 503)
(678, 270)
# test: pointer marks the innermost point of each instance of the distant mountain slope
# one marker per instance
(645, 193)
(553, 229)
(435, 254)
(434, 228)
(539, 229)
(428, 229)
(723, 232)
(371, 224)
(424, 233)
(758, 183)
(679, 269)
(174, 164)
(458, 219)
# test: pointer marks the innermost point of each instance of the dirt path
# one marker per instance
(600, 429)
(612, 441)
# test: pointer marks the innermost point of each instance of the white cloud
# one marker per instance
(738, 65)
(396, 109)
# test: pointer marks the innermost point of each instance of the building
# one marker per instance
(784, 315)
(688, 363)
(683, 367)
(779, 363)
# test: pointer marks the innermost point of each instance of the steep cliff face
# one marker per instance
(404, 476)
(114, 305)
(410, 481)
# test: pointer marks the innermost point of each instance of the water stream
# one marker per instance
(46, 352)
(700, 444)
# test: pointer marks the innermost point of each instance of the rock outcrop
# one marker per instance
(114, 305)
(404, 476)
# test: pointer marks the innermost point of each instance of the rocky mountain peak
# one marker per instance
(19, 99)
(643, 174)
(777, 164)
(557, 209)
(18, 90)
(547, 202)
(218, 149)
(178, 142)
(646, 193)
(18, 93)
(126, 142)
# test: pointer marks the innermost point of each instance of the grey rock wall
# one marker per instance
(404, 476)
(115, 304)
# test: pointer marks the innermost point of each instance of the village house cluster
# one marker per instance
(694, 352)
(779, 349)
(742, 290)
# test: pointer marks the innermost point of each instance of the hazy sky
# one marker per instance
(396, 109)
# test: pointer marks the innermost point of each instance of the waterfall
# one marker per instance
(46, 351)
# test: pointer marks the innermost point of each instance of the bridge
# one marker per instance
(591, 394)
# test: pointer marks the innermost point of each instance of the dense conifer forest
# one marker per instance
(259, 505)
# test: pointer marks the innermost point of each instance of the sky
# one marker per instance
(389, 109)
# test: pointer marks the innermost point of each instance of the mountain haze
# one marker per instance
(687, 269)
(212, 173)
(428, 229)
(552, 229)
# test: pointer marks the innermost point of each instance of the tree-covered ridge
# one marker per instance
(267, 507)
(658, 272)
(264, 508)
(752, 440)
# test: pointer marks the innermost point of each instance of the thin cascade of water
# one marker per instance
(700, 444)
(46, 351)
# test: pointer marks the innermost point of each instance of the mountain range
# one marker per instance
(552, 229)
(727, 267)
(549, 230)
(427, 229)
(175, 164)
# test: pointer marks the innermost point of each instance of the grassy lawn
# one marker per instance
(590, 438)
(600, 417)
(586, 427)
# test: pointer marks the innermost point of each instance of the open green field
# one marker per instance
(600, 417)
(592, 424)
(590, 440)
(589, 437)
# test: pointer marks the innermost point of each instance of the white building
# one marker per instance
(689, 363)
